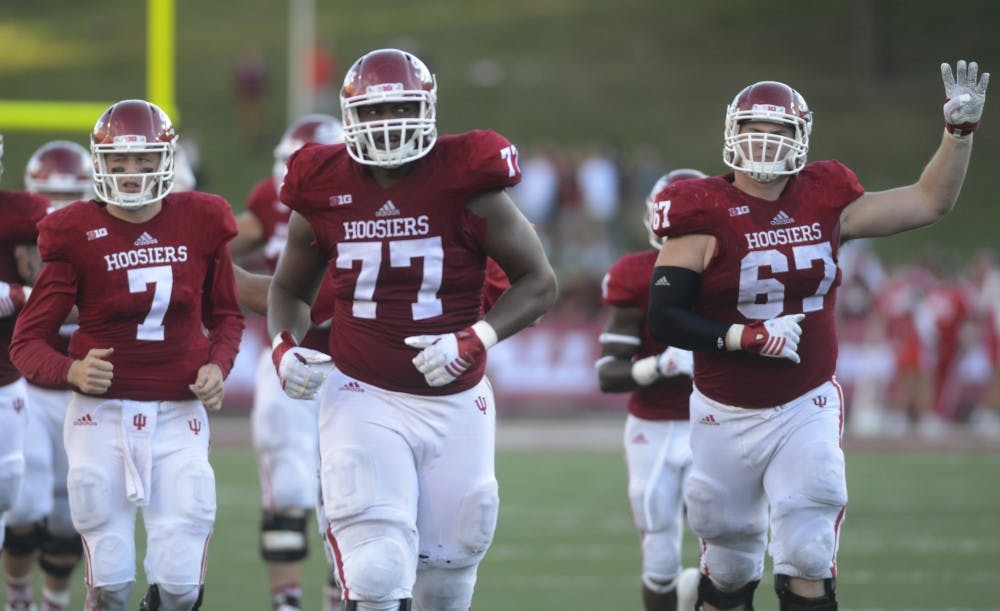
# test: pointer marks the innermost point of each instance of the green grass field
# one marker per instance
(922, 533)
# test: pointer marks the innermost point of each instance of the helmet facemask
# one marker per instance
(389, 143)
(763, 156)
(154, 185)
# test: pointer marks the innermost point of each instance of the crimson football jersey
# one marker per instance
(273, 215)
(771, 259)
(19, 211)
(626, 285)
(144, 289)
(405, 260)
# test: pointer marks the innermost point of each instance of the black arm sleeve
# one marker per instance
(672, 292)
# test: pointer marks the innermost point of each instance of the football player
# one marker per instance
(150, 272)
(747, 279)
(406, 220)
(284, 433)
(657, 448)
(39, 526)
(19, 211)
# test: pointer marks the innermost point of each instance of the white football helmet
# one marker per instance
(662, 183)
(387, 76)
(133, 126)
(61, 171)
(319, 128)
(184, 178)
(765, 157)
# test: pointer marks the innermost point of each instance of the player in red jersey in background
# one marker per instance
(406, 220)
(148, 270)
(39, 527)
(747, 279)
(19, 211)
(284, 432)
(657, 431)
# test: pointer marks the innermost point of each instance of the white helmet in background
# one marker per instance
(184, 178)
(319, 128)
(61, 171)
(664, 181)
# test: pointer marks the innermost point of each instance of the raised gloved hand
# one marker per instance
(776, 338)
(12, 298)
(300, 370)
(675, 362)
(443, 358)
(965, 94)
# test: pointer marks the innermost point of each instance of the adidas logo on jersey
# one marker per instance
(85, 420)
(662, 282)
(145, 240)
(782, 219)
(387, 209)
(709, 420)
(352, 387)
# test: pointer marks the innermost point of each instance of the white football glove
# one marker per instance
(443, 358)
(777, 338)
(301, 370)
(965, 95)
(12, 298)
(675, 362)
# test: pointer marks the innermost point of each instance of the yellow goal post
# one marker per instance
(42, 115)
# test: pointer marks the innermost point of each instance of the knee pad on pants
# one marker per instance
(111, 597)
(89, 497)
(805, 524)
(180, 598)
(660, 561)
(477, 521)
(290, 479)
(379, 560)
(11, 474)
(445, 589)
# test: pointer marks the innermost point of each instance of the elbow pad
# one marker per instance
(672, 294)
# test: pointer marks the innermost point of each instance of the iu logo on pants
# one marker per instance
(195, 425)
(819, 401)
(139, 421)
(481, 404)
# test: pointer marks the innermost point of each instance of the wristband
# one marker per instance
(487, 334)
(962, 129)
(734, 337)
(645, 371)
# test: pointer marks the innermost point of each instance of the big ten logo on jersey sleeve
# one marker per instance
(771, 258)
(407, 259)
(140, 286)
